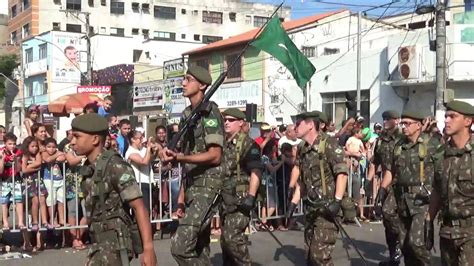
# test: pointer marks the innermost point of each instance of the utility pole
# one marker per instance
(359, 46)
(440, 61)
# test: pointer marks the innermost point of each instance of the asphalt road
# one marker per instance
(264, 250)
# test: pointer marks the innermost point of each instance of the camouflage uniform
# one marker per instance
(236, 185)
(411, 193)
(454, 182)
(320, 231)
(391, 222)
(190, 243)
(120, 187)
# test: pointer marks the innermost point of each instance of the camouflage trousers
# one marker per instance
(320, 239)
(457, 250)
(391, 222)
(190, 243)
(233, 239)
(412, 240)
(103, 255)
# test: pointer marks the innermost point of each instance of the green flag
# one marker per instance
(276, 42)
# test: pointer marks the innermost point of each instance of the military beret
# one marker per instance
(413, 115)
(313, 115)
(234, 112)
(390, 114)
(200, 74)
(461, 107)
(90, 123)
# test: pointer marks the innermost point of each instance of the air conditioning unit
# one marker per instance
(408, 62)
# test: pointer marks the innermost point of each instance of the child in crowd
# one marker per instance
(30, 118)
(2, 136)
(53, 180)
(106, 106)
(30, 166)
(11, 180)
(113, 125)
(354, 145)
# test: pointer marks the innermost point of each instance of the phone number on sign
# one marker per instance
(236, 103)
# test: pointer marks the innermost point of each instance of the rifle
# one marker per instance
(191, 120)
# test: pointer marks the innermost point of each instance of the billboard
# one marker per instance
(69, 57)
(238, 94)
(148, 95)
(174, 101)
(173, 68)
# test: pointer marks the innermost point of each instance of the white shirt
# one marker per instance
(142, 172)
(284, 139)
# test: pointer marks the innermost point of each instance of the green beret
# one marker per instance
(90, 123)
(313, 115)
(200, 74)
(461, 107)
(234, 112)
(413, 115)
(390, 114)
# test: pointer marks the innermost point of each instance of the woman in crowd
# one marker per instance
(39, 133)
(30, 118)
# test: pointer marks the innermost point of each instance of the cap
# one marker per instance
(234, 112)
(265, 126)
(313, 115)
(367, 133)
(461, 107)
(360, 119)
(201, 74)
(377, 125)
(90, 123)
(413, 115)
(390, 114)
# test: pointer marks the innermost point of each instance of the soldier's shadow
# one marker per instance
(291, 253)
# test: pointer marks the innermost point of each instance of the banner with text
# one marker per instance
(68, 57)
(173, 68)
(148, 95)
(238, 94)
(174, 101)
(94, 89)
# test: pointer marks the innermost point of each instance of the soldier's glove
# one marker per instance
(381, 195)
(248, 204)
(429, 234)
(333, 207)
(291, 192)
(290, 210)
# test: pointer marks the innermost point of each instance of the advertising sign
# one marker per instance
(173, 68)
(68, 57)
(94, 89)
(148, 95)
(238, 94)
(174, 102)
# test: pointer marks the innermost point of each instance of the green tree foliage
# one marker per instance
(7, 64)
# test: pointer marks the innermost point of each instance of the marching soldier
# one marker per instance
(411, 169)
(385, 195)
(453, 188)
(243, 171)
(320, 164)
(110, 185)
(202, 147)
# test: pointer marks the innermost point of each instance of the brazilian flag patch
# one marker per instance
(210, 122)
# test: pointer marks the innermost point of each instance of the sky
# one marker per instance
(304, 8)
(3, 6)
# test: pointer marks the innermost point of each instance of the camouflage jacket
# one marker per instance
(454, 180)
(384, 147)
(249, 159)
(120, 186)
(308, 161)
(209, 130)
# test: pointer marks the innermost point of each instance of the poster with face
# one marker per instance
(68, 57)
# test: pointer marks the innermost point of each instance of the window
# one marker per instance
(136, 55)
(26, 4)
(212, 17)
(162, 35)
(117, 31)
(117, 7)
(57, 2)
(259, 21)
(135, 31)
(25, 31)
(13, 38)
(197, 37)
(334, 105)
(73, 4)
(73, 28)
(308, 51)
(103, 2)
(183, 36)
(29, 55)
(135, 7)
(43, 51)
(13, 11)
(232, 16)
(146, 33)
(103, 30)
(56, 26)
(91, 3)
(195, 12)
(183, 11)
(45, 87)
(146, 8)
(28, 89)
(330, 51)
(165, 12)
(210, 39)
(203, 63)
(236, 70)
(248, 19)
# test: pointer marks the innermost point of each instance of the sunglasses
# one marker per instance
(230, 119)
(406, 123)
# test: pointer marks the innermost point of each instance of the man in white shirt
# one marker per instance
(289, 137)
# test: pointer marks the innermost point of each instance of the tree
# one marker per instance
(7, 64)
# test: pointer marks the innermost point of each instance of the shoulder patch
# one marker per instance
(338, 151)
(254, 151)
(210, 122)
(125, 178)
